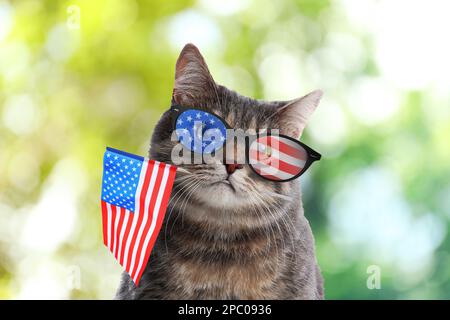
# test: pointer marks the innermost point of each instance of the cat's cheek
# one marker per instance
(219, 196)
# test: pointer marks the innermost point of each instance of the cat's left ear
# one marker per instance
(294, 115)
(193, 82)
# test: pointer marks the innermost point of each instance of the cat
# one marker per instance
(243, 239)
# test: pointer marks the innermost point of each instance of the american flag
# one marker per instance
(277, 158)
(135, 194)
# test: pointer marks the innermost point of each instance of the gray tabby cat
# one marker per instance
(228, 233)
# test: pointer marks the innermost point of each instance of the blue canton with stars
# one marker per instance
(200, 131)
(121, 172)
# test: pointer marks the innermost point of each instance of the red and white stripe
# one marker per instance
(130, 236)
(286, 159)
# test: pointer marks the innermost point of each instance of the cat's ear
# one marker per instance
(193, 82)
(294, 115)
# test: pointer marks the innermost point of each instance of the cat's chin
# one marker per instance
(224, 184)
(220, 194)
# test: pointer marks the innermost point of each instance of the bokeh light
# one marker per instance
(76, 76)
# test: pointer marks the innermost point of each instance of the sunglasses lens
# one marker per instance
(277, 158)
(200, 131)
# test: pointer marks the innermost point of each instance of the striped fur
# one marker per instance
(245, 240)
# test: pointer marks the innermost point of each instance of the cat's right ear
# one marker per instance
(193, 82)
(294, 115)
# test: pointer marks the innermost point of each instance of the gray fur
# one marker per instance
(246, 240)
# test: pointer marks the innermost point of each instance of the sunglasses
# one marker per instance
(274, 157)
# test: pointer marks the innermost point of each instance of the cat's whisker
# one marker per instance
(182, 170)
(272, 238)
(264, 207)
(177, 197)
(288, 224)
(276, 219)
(184, 190)
(190, 184)
(277, 195)
(282, 218)
(184, 202)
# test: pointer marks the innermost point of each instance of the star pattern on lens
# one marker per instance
(200, 131)
(120, 180)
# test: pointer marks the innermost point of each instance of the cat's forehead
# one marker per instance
(246, 116)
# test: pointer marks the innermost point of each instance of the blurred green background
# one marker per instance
(76, 76)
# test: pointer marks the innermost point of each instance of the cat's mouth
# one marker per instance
(227, 183)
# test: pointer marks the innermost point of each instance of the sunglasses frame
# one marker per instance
(178, 110)
(312, 155)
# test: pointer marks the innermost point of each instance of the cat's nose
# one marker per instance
(231, 168)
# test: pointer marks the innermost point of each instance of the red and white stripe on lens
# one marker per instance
(277, 158)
